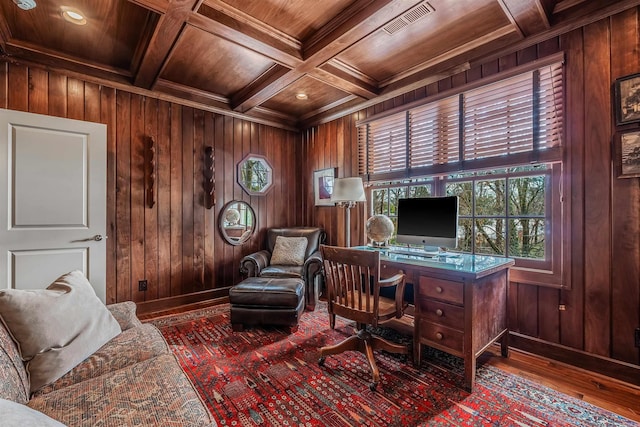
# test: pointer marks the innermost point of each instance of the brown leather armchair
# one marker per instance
(258, 264)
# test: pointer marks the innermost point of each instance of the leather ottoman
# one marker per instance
(267, 301)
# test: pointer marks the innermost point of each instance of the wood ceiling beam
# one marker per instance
(344, 81)
(529, 17)
(247, 34)
(158, 6)
(261, 83)
(360, 20)
(169, 27)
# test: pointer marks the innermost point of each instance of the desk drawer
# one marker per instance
(442, 313)
(444, 290)
(441, 335)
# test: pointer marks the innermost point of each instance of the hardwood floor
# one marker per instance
(608, 393)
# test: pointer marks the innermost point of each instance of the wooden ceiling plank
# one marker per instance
(247, 35)
(167, 31)
(530, 17)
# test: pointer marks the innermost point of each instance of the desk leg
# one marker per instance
(469, 373)
(504, 344)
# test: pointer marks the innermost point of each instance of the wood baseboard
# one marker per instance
(603, 365)
(170, 303)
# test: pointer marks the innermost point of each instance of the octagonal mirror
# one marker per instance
(255, 174)
(237, 222)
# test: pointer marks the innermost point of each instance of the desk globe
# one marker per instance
(379, 229)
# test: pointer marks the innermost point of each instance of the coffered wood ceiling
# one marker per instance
(251, 57)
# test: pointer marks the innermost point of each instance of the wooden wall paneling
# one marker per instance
(221, 177)
(163, 205)
(137, 203)
(527, 54)
(508, 61)
(597, 184)
(258, 238)
(225, 262)
(528, 309)
(625, 277)
(490, 68)
(548, 314)
(238, 194)
(4, 84)
(58, 95)
(572, 319)
(198, 201)
(209, 214)
(38, 91)
(75, 99)
(475, 73)
(107, 116)
(151, 251)
(91, 102)
(123, 190)
(187, 201)
(18, 98)
(176, 200)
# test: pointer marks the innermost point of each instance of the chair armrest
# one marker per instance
(311, 269)
(125, 314)
(396, 280)
(252, 264)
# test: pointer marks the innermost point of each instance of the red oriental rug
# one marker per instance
(266, 377)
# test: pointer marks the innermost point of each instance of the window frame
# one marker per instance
(551, 272)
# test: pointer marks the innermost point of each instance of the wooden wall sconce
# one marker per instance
(209, 183)
(150, 166)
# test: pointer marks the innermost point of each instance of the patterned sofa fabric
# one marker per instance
(153, 392)
(14, 383)
(131, 346)
(133, 380)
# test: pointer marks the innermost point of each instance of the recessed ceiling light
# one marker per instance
(73, 15)
(301, 96)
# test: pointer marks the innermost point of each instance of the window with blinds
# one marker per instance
(505, 123)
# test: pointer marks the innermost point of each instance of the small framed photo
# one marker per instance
(323, 186)
(627, 99)
(627, 154)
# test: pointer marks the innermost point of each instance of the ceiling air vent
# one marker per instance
(409, 17)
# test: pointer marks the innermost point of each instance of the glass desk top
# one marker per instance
(466, 264)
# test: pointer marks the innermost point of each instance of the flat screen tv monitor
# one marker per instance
(431, 222)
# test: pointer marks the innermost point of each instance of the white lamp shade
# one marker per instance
(348, 190)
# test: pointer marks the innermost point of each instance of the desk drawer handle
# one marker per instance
(439, 313)
(439, 335)
(438, 289)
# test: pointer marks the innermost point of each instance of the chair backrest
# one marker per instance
(315, 236)
(352, 280)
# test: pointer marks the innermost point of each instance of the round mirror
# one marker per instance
(254, 174)
(237, 222)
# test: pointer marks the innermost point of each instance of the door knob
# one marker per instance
(97, 238)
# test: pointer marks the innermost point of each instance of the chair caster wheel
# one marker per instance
(373, 386)
(321, 361)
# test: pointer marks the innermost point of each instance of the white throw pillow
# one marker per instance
(289, 251)
(14, 414)
(58, 327)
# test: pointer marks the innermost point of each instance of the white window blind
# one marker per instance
(504, 123)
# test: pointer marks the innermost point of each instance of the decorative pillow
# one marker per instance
(14, 414)
(58, 327)
(289, 250)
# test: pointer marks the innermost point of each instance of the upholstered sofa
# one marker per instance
(132, 380)
(259, 264)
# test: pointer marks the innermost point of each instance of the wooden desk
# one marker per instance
(460, 303)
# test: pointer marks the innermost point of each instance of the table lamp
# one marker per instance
(346, 192)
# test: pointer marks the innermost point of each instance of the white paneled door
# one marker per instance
(53, 200)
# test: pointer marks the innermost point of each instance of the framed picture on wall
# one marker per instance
(627, 154)
(627, 99)
(323, 186)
